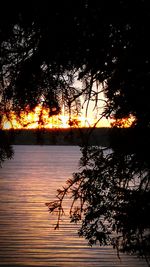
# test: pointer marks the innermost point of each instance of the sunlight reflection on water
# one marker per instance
(27, 230)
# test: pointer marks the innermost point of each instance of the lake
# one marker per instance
(27, 235)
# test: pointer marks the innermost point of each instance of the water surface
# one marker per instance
(27, 235)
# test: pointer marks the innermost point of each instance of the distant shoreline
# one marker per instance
(69, 136)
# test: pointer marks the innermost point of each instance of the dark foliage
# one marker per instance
(44, 48)
(110, 195)
(6, 151)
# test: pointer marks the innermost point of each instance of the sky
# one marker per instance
(87, 117)
(30, 120)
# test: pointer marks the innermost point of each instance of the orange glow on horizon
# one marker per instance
(39, 118)
(124, 122)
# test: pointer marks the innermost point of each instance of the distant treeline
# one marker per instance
(70, 136)
(120, 138)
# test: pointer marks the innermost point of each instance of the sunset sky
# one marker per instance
(40, 118)
(31, 120)
(85, 118)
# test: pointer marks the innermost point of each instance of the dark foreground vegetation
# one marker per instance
(55, 52)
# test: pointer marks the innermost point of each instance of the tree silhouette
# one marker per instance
(6, 151)
(44, 48)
